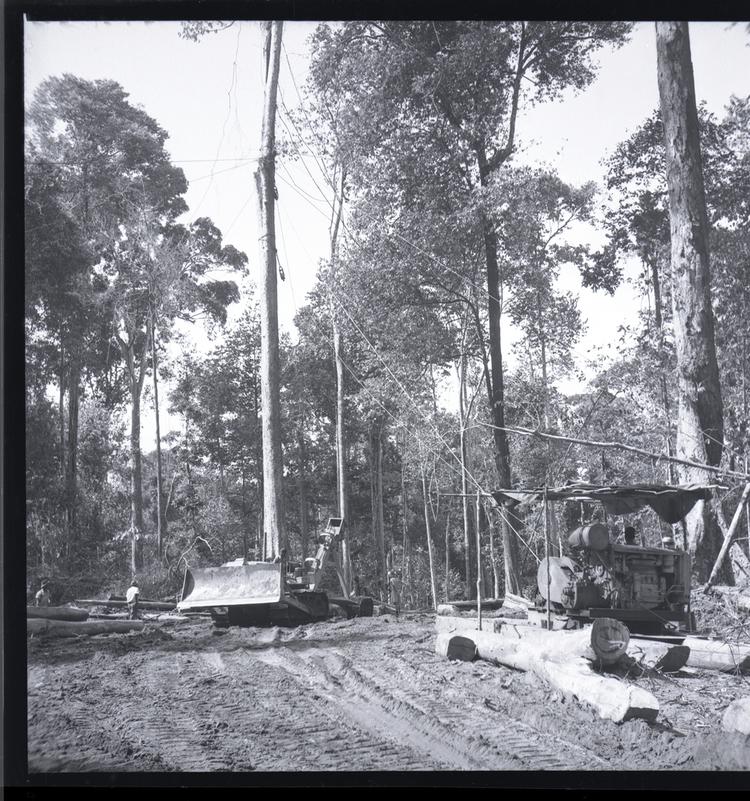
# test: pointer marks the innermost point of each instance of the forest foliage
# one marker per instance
(443, 235)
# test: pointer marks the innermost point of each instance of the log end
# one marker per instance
(454, 646)
(609, 639)
(640, 705)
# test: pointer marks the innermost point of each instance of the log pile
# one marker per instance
(565, 659)
(726, 657)
(116, 603)
(62, 628)
(69, 613)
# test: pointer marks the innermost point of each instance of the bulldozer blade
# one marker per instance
(232, 585)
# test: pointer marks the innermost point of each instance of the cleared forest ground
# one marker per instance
(343, 695)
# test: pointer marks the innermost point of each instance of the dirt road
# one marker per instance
(357, 695)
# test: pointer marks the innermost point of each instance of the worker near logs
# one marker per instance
(43, 597)
(395, 585)
(629, 535)
(131, 597)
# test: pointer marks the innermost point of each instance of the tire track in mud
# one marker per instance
(413, 716)
(229, 711)
(513, 736)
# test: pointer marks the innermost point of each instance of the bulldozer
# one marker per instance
(647, 588)
(248, 593)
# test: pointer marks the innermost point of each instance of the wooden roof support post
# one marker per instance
(729, 535)
(479, 569)
(547, 556)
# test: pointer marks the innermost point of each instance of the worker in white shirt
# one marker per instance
(131, 596)
(43, 597)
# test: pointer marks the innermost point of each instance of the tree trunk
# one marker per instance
(61, 408)
(447, 555)
(497, 400)
(376, 504)
(379, 500)
(273, 511)
(700, 413)
(160, 521)
(493, 560)
(543, 349)
(136, 481)
(464, 445)
(71, 473)
(341, 478)
(304, 529)
(428, 531)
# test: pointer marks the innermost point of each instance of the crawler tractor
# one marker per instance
(243, 593)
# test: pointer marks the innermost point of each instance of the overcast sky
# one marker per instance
(208, 97)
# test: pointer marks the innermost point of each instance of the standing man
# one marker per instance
(629, 535)
(131, 596)
(395, 587)
(43, 597)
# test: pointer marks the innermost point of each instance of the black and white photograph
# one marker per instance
(387, 398)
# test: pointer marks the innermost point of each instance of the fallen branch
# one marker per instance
(729, 535)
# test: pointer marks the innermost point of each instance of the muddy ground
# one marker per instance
(355, 695)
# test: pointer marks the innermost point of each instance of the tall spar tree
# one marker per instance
(700, 426)
(273, 511)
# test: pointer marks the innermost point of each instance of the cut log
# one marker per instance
(61, 628)
(557, 658)
(512, 601)
(471, 606)
(165, 606)
(454, 646)
(56, 613)
(605, 641)
(737, 717)
(459, 623)
(655, 655)
(360, 606)
(718, 655)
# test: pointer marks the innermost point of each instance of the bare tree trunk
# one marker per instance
(61, 408)
(71, 473)
(493, 560)
(377, 503)
(700, 430)
(304, 529)
(160, 521)
(136, 481)
(470, 589)
(273, 510)
(447, 555)
(428, 530)
(379, 500)
(341, 477)
(497, 399)
(543, 347)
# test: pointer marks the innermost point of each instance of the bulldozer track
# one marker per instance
(417, 718)
(362, 695)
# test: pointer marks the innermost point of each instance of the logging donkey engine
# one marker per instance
(646, 588)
